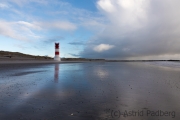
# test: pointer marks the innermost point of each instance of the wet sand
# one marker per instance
(89, 91)
(25, 61)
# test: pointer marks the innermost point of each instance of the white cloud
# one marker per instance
(6, 29)
(22, 30)
(23, 2)
(94, 25)
(64, 25)
(101, 73)
(3, 6)
(17, 30)
(103, 47)
(61, 25)
(29, 25)
(106, 5)
(125, 13)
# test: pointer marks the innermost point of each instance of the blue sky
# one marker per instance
(32, 27)
(110, 29)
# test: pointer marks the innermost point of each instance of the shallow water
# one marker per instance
(89, 91)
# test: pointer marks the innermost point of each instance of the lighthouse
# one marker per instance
(57, 57)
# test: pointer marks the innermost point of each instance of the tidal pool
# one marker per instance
(89, 91)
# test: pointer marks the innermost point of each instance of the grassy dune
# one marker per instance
(7, 54)
(18, 55)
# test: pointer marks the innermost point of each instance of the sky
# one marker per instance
(108, 29)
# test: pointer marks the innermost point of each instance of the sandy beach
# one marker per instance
(23, 61)
(88, 90)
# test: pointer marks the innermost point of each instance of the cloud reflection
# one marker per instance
(102, 73)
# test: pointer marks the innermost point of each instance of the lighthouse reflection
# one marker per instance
(56, 73)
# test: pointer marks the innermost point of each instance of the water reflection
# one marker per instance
(102, 73)
(89, 91)
(56, 73)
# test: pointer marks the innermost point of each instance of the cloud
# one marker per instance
(103, 47)
(124, 13)
(6, 29)
(74, 55)
(106, 5)
(53, 40)
(23, 2)
(58, 25)
(94, 25)
(29, 25)
(17, 30)
(3, 6)
(138, 29)
(40, 21)
(77, 43)
(26, 31)
(64, 25)
(64, 18)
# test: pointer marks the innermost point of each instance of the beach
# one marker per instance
(89, 90)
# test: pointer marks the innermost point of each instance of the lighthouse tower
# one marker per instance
(57, 57)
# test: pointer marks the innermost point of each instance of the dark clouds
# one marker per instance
(138, 29)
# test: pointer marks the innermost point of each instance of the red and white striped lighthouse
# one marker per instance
(57, 56)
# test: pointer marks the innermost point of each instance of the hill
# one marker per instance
(7, 54)
(17, 55)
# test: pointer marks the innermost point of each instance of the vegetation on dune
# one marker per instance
(21, 55)
(7, 54)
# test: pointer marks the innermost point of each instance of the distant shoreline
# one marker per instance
(37, 61)
(16, 57)
(26, 60)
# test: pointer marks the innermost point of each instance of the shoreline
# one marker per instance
(38, 61)
(44, 61)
